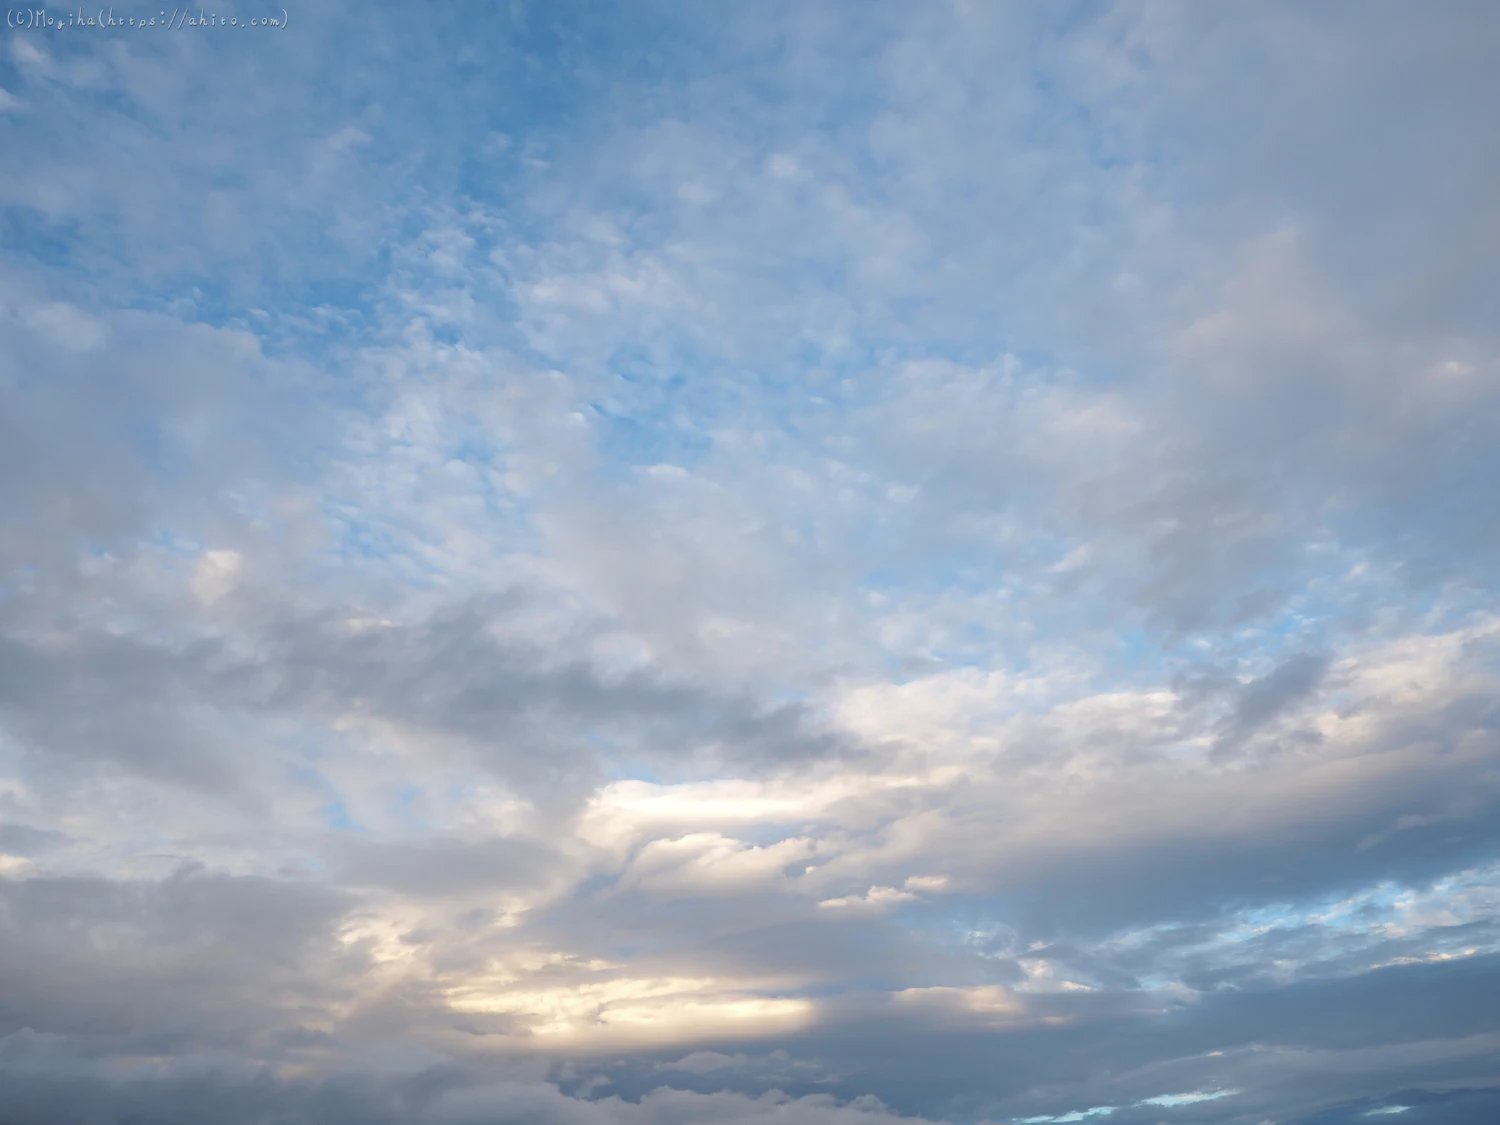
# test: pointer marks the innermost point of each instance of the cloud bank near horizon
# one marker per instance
(828, 562)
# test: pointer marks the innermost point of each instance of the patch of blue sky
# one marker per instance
(336, 816)
(620, 761)
(967, 925)
(671, 368)
(1166, 1101)
(1445, 920)
(1353, 593)
(306, 315)
(1187, 1099)
(423, 144)
(364, 538)
(1136, 658)
(473, 444)
(677, 399)
(386, 534)
(1075, 1115)
(294, 283)
(1261, 645)
(310, 318)
(303, 774)
(707, 379)
(1015, 623)
(646, 437)
(404, 809)
(956, 570)
(34, 236)
(906, 665)
(394, 551)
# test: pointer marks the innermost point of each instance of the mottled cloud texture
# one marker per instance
(698, 564)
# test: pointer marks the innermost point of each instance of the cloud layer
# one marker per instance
(827, 562)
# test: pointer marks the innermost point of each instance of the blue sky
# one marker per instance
(688, 564)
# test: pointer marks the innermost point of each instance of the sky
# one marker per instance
(716, 564)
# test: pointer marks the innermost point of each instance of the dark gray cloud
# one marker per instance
(22, 839)
(536, 715)
(194, 960)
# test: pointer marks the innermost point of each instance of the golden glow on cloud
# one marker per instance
(627, 1011)
(876, 898)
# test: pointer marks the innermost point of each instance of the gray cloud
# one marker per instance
(194, 959)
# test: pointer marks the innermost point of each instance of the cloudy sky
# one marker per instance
(705, 564)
